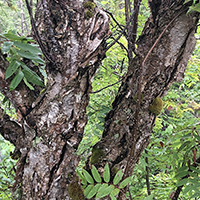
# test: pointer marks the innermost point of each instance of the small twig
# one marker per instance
(106, 87)
(129, 193)
(147, 175)
(116, 21)
(122, 46)
(123, 31)
(179, 188)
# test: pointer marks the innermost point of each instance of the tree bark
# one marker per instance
(164, 65)
(53, 123)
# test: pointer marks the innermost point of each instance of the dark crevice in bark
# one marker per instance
(121, 157)
(55, 168)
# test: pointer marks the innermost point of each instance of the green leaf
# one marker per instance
(96, 174)
(34, 50)
(14, 37)
(188, 188)
(113, 197)
(182, 182)
(16, 80)
(117, 177)
(185, 144)
(88, 177)
(31, 75)
(83, 180)
(115, 192)
(106, 173)
(104, 190)
(12, 68)
(150, 197)
(28, 84)
(6, 46)
(30, 56)
(88, 189)
(181, 174)
(125, 182)
(93, 191)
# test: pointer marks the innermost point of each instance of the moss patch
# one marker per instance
(88, 14)
(75, 191)
(97, 155)
(89, 5)
(156, 106)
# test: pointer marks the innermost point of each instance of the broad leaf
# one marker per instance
(30, 56)
(106, 173)
(93, 191)
(28, 84)
(31, 76)
(6, 46)
(104, 190)
(96, 174)
(83, 180)
(12, 68)
(16, 80)
(115, 192)
(117, 177)
(88, 177)
(125, 182)
(88, 189)
(28, 47)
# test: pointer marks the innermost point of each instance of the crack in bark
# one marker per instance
(54, 170)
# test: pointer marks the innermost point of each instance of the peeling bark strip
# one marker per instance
(165, 64)
(53, 123)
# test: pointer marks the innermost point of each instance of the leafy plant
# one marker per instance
(94, 186)
(17, 49)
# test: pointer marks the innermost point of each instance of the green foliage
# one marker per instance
(174, 143)
(17, 49)
(102, 188)
(194, 7)
(6, 169)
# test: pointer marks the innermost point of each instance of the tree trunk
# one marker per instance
(53, 123)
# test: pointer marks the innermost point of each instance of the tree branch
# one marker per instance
(106, 87)
(135, 10)
(22, 97)
(147, 175)
(10, 129)
(44, 51)
(116, 21)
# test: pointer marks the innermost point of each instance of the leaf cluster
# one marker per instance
(17, 49)
(94, 185)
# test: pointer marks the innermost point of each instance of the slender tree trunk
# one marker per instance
(52, 126)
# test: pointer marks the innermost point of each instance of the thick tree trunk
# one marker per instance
(53, 123)
(164, 65)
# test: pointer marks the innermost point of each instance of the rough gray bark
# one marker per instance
(53, 123)
(165, 64)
